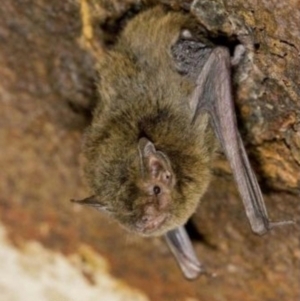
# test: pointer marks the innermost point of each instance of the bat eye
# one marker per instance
(167, 176)
(156, 190)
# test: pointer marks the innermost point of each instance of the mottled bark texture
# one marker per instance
(46, 93)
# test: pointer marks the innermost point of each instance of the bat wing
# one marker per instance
(182, 249)
(213, 94)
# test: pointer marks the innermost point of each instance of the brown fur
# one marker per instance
(142, 95)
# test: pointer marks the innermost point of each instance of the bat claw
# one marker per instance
(208, 274)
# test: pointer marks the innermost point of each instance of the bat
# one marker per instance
(165, 99)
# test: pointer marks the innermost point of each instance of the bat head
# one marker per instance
(156, 185)
(144, 202)
(148, 188)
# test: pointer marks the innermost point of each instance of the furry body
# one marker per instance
(142, 94)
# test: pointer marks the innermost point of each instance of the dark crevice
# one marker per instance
(228, 42)
(196, 236)
(256, 46)
(278, 55)
(288, 43)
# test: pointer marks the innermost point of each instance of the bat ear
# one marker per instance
(153, 162)
(146, 148)
(156, 166)
(148, 157)
(92, 201)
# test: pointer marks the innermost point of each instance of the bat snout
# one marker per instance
(151, 220)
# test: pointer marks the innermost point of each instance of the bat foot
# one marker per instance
(193, 270)
(199, 270)
(208, 274)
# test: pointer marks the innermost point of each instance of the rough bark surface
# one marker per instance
(46, 94)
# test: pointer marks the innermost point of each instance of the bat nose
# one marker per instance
(150, 221)
(163, 202)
